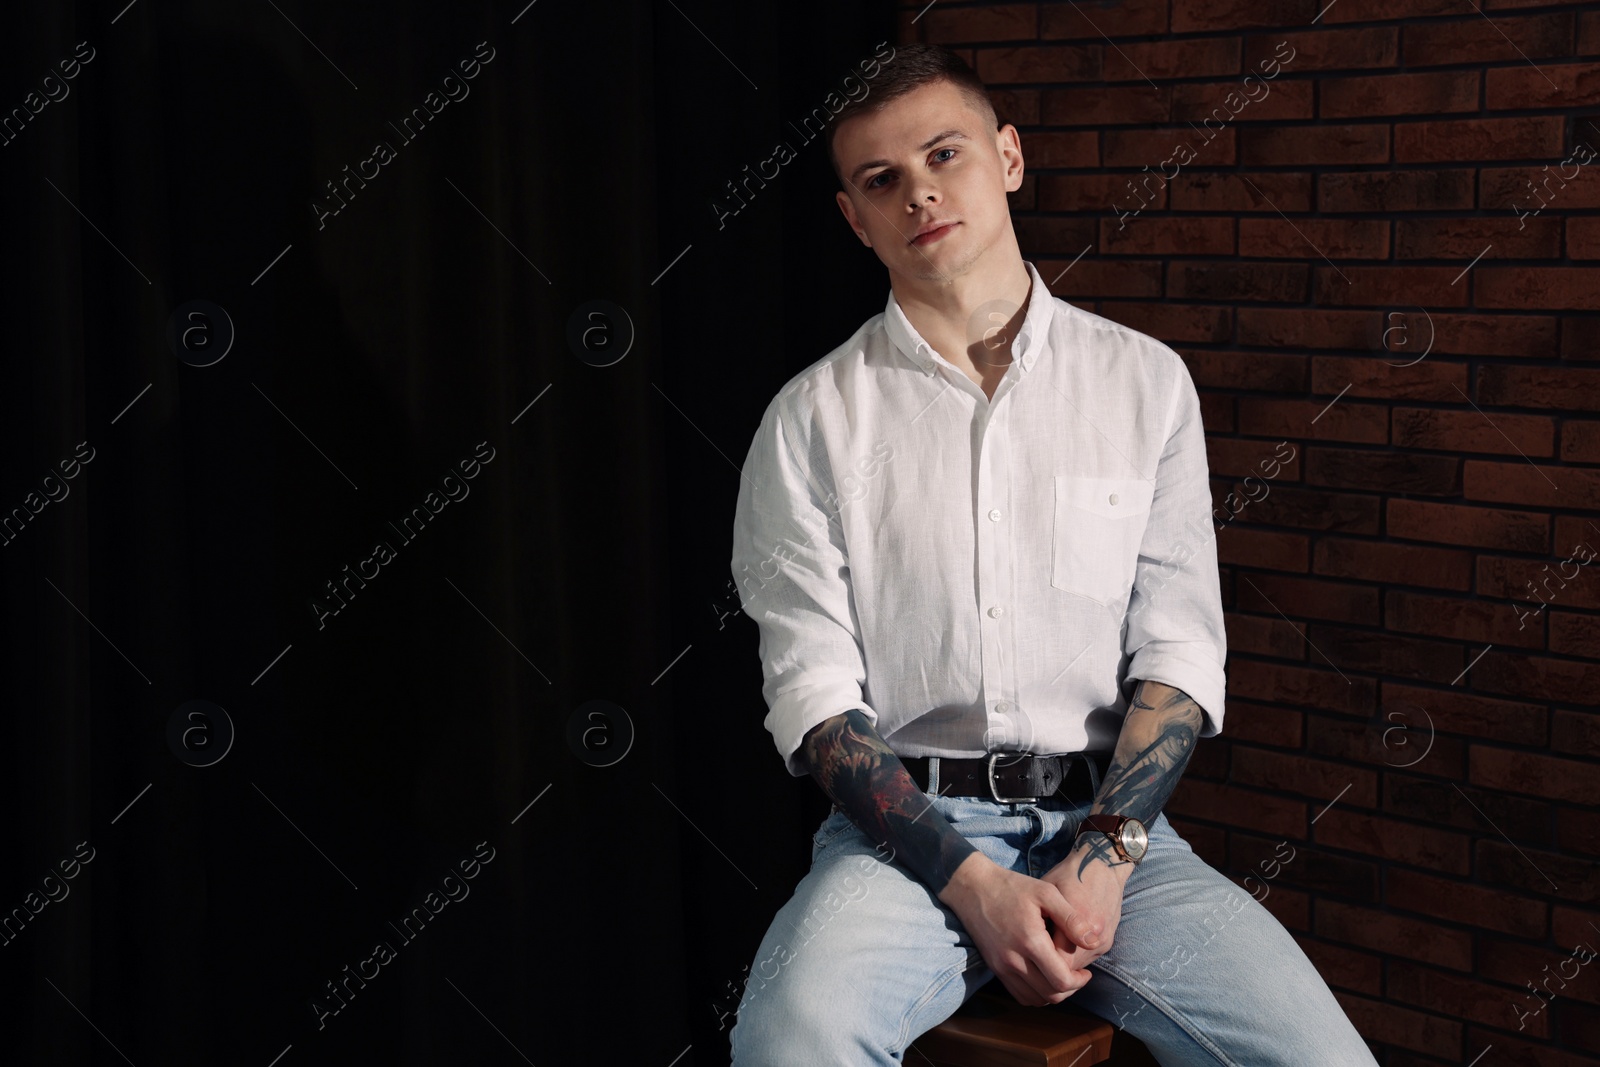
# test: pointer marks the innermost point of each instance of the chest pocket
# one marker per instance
(1099, 523)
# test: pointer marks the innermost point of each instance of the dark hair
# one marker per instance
(911, 67)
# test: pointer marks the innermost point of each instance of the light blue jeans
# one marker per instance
(864, 959)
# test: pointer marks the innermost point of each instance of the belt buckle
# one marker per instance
(995, 792)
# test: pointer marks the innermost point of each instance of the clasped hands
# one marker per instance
(1039, 935)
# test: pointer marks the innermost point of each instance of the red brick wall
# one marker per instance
(1397, 344)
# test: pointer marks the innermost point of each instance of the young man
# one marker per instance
(976, 539)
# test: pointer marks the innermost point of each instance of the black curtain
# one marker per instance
(344, 548)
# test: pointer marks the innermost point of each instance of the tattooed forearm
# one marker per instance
(861, 774)
(1158, 736)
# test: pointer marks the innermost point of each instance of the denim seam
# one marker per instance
(954, 971)
(1165, 1007)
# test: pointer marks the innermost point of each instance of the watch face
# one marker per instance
(1135, 839)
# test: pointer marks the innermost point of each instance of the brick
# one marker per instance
(1398, 288)
(1394, 935)
(1534, 773)
(1377, 10)
(1533, 583)
(1264, 637)
(1460, 997)
(1577, 829)
(1309, 328)
(1092, 192)
(1406, 380)
(1233, 101)
(1168, 236)
(1385, 653)
(1574, 635)
(1192, 16)
(1189, 57)
(1398, 564)
(1452, 140)
(1570, 926)
(1391, 839)
(1309, 598)
(1524, 336)
(1401, 737)
(1263, 724)
(1447, 804)
(1519, 1053)
(1399, 94)
(995, 22)
(1256, 548)
(1575, 732)
(1471, 905)
(1263, 370)
(1023, 198)
(1308, 688)
(1235, 281)
(1472, 431)
(1467, 238)
(1106, 106)
(1396, 191)
(1502, 188)
(1344, 968)
(1324, 49)
(1267, 191)
(1589, 33)
(1555, 487)
(1474, 621)
(1580, 338)
(1324, 144)
(1536, 677)
(1461, 524)
(1040, 64)
(1583, 238)
(1514, 39)
(1092, 277)
(1043, 234)
(1551, 85)
(1378, 1020)
(1459, 712)
(1318, 419)
(1129, 18)
(1070, 148)
(1231, 806)
(1394, 472)
(1546, 968)
(1566, 388)
(1522, 288)
(1534, 872)
(1166, 147)
(1312, 509)
(1322, 874)
(1304, 776)
(1175, 323)
(1334, 238)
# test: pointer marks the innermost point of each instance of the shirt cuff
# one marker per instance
(796, 711)
(1194, 671)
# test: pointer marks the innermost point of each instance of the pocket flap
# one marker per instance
(1111, 498)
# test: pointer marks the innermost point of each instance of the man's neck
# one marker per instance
(972, 318)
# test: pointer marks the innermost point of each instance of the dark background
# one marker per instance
(1373, 590)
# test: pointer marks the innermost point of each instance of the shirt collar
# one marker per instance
(1025, 349)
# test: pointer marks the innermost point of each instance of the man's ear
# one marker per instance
(1008, 145)
(843, 200)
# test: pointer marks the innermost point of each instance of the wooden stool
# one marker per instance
(992, 1030)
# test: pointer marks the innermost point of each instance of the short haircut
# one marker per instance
(913, 66)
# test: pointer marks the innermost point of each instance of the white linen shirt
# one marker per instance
(978, 575)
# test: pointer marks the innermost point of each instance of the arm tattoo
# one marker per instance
(1154, 746)
(862, 775)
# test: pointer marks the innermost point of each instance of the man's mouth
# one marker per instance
(935, 234)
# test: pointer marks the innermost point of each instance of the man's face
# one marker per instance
(929, 157)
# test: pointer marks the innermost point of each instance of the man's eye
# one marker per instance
(944, 150)
(872, 182)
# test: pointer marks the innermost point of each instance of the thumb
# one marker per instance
(1066, 917)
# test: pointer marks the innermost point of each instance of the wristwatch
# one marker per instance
(1127, 834)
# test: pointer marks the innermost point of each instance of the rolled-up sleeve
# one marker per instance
(1175, 631)
(793, 574)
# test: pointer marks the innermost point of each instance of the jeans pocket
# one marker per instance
(835, 824)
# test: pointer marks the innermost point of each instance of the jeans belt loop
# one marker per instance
(933, 775)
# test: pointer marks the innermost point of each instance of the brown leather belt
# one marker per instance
(1014, 777)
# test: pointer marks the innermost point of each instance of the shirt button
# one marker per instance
(1002, 708)
(1113, 498)
(994, 514)
(996, 612)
